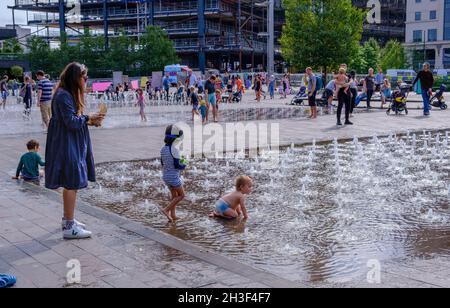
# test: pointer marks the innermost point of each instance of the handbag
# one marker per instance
(23, 91)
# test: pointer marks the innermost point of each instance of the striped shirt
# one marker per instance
(170, 159)
(47, 88)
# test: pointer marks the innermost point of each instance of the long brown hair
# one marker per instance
(70, 80)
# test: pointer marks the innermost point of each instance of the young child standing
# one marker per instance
(272, 85)
(141, 104)
(29, 163)
(230, 91)
(233, 205)
(218, 97)
(172, 164)
(194, 101)
(203, 109)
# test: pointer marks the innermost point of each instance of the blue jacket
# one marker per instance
(69, 157)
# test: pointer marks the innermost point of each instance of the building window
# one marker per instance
(432, 35)
(433, 15)
(446, 58)
(418, 16)
(447, 20)
(431, 57)
(417, 36)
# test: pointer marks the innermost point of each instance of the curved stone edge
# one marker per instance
(255, 275)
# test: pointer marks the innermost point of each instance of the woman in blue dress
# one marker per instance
(69, 150)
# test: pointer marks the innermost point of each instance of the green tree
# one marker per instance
(12, 46)
(40, 55)
(65, 54)
(16, 71)
(91, 51)
(359, 63)
(321, 33)
(393, 56)
(371, 51)
(121, 54)
(155, 51)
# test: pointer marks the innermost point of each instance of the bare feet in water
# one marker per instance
(214, 215)
(167, 213)
(173, 215)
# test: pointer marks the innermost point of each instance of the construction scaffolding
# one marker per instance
(391, 24)
(220, 34)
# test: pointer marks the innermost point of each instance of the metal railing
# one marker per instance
(10, 56)
(220, 43)
(33, 2)
(55, 2)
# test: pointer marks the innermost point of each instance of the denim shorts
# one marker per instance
(212, 99)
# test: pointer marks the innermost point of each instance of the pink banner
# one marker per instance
(100, 86)
(135, 84)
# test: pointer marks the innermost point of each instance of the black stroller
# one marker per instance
(438, 99)
(237, 97)
(323, 101)
(399, 99)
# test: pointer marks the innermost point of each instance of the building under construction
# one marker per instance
(390, 23)
(220, 34)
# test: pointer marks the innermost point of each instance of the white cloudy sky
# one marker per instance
(6, 15)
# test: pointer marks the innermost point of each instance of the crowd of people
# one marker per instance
(344, 86)
(30, 92)
(206, 94)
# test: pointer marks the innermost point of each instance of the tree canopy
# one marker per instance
(153, 51)
(12, 45)
(321, 33)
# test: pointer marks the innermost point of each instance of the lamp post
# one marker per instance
(270, 5)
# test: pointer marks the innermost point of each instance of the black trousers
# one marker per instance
(343, 100)
(369, 97)
(28, 101)
(166, 92)
(354, 94)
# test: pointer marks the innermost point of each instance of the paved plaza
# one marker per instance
(124, 253)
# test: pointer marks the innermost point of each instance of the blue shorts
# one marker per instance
(203, 111)
(195, 107)
(222, 207)
(212, 99)
(4, 95)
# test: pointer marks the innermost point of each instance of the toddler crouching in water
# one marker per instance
(233, 205)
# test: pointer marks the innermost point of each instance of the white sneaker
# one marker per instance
(76, 232)
(63, 224)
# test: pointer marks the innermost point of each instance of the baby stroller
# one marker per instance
(438, 99)
(300, 97)
(237, 96)
(323, 101)
(399, 99)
